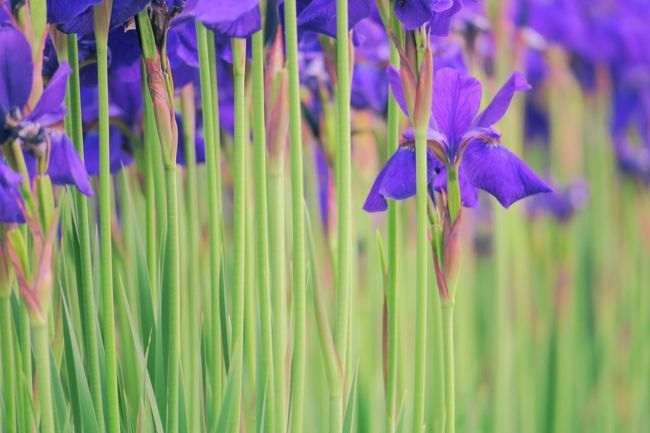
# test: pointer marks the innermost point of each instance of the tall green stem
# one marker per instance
(40, 341)
(85, 253)
(102, 18)
(151, 204)
(448, 349)
(392, 139)
(8, 371)
(261, 224)
(173, 296)
(421, 281)
(239, 223)
(212, 168)
(297, 193)
(343, 160)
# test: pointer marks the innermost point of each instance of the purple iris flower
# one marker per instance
(459, 137)
(436, 13)
(35, 128)
(319, 16)
(562, 203)
(10, 198)
(232, 18)
(76, 16)
(118, 156)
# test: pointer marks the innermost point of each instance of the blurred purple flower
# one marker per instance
(319, 16)
(458, 136)
(562, 203)
(118, 157)
(10, 198)
(436, 13)
(232, 18)
(33, 128)
(199, 144)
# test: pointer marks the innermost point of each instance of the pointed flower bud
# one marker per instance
(422, 108)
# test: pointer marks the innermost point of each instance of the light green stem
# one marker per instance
(212, 168)
(86, 284)
(150, 145)
(421, 281)
(261, 224)
(8, 371)
(392, 139)
(343, 160)
(297, 199)
(40, 341)
(453, 193)
(239, 223)
(102, 18)
(448, 349)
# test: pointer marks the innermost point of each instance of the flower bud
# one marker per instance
(163, 111)
(422, 108)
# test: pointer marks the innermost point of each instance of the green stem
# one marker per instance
(8, 371)
(173, 296)
(24, 337)
(421, 281)
(261, 223)
(297, 199)
(343, 159)
(239, 223)
(192, 295)
(88, 311)
(448, 349)
(41, 344)
(392, 140)
(453, 192)
(102, 18)
(213, 210)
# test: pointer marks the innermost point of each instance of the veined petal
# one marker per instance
(16, 69)
(397, 179)
(499, 105)
(456, 100)
(51, 108)
(493, 168)
(65, 167)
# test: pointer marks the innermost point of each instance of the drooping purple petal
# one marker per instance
(320, 15)
(65, 166)
(62, 11)
(233, 18)
(121, 12)
(51, 108)
(397, 180)
(16, 69)
(493, 168)
(456, 100)
(499, 105)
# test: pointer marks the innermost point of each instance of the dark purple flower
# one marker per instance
(10, 198)
(459, 137)
(83, 23)
(35, 129)
(64, 11)
(319, 16)
(232, 18)
(437, 13)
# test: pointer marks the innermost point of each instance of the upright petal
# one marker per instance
(456, 100)
(16, 69)
(493, 168)
(51, 108)
(441, 20)
(413, 13)
(499, 105)
(397, 179)
(65, 167)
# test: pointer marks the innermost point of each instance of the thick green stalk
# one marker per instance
(102, 18)
(40, 340)
(261, 224)
(343, 161)
(213, 211)
(8, 371)
(392, 139)
(86, 284)
(297, 199)
(453, 193)
(216, 125)
(173, 295)
(421, 281)
(193, 295)
(278, 284)
(239, 223)
(448, 349)
(24, 337)
(151, 204)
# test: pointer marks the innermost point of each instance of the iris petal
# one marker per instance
(493, 168)
(51, 108)
(499, 105)
(16, 69)
(65, 167)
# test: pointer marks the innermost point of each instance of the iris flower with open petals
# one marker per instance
(457, 136)
(34, 128)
